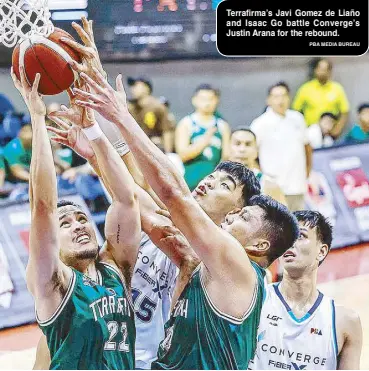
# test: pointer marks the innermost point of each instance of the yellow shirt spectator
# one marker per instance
(314, 98)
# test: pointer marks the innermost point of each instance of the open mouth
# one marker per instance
(82, 238)
(289, 254)
(201, 190)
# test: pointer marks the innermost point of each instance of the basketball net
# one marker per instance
(21, 19)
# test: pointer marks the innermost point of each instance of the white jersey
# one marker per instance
(286, 342)
(153, 283)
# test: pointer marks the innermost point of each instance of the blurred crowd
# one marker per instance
(277, 145)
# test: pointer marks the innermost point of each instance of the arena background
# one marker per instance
(175, 71)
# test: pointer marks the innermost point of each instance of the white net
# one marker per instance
(20, 19)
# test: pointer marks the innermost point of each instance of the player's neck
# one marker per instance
(204, 117)
(301, 290)
(87, 267)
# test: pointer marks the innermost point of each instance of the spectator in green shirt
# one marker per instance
(17, 154)
(360, 131)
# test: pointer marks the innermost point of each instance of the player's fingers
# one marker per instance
(78, 67)
(36, 83)
(82, 34)
(165, 213)
(119, 83)
(24, 82)
(61, 123)
(60, 133)
(91, 30)
(57, 139)
(169, 230)
(61, 114)
(94, 85)
(90, 96)
(70, 94)
(15, 79)
(100, 79)
(87, 104)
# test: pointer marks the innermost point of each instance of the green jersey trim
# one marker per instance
(228, 317)
(119, 274)
(61, 306)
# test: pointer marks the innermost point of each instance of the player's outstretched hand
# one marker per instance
(110, 103)
(88, 51)
(72, 136)
(75, 114)
(32, 98)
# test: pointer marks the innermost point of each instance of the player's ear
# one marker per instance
(259, 247)
(323, 251)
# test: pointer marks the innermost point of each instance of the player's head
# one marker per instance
(279, 97)
(265, 228)
(77, 238)
(243, 146)
(230, 186)
(25, 136)
(322, 69)
(206, 99)
(327, 121)
(363, 113)
(313, 244)
(140, 87)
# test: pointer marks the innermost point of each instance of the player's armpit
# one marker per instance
(349, 327)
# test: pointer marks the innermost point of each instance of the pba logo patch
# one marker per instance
(355, 187)
(316, 331)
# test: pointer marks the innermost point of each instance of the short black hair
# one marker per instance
(281, 227)
(315, 62)
(278, 84)
(329, 114)
(63, 203)
(208, 87)
(245, 177)
(314, 219)
(244, 128)
(362, 107)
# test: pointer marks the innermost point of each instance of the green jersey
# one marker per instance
(199, 336)
(206, 162)
(93, 328)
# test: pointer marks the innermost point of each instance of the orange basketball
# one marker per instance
(49, 57)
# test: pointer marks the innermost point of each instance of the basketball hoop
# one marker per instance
(21, 19)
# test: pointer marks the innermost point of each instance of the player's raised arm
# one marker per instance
(216, 248)
(44, 264)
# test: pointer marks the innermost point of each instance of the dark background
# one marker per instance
(193, 26)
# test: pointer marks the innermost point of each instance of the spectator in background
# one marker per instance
(150, 113)
(202, 139)
(17, 154)
(360, 131)
(320, 95)
(284, 150)
(244, 149)
(320, 133)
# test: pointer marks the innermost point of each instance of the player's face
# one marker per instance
(219, 193)
(77, 237)
(306, 252)
(279, 100)
(326, 123)
(139, 90)
(323, 71)
(244, 224)
(205, 102)
(243, 147)
(25, 135)
(364, 118)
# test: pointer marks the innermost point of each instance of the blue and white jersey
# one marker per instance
(153, 284)
(290, 343)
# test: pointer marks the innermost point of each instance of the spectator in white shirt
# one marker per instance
(320, 133)
(284, 149)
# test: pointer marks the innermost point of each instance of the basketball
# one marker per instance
(49, 57)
